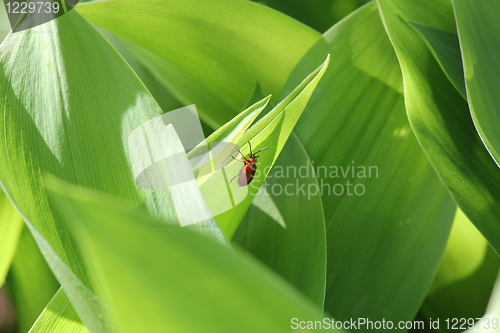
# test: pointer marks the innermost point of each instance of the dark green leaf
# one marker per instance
(440, 117)
(479, 31)
(386, 241)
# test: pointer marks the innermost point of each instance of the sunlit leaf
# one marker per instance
(176, 274)
(4, 23)
(479, 32)
(161, 95)
(292, 243)
(386, 239)
(209, 54)
(463, 283)
(272, 131)
(217, 102)
(68, 103)
(440, 117)
(58, 316)
(11, 225)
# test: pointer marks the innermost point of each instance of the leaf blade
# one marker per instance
(215, 276)
(441, 120)
(271, 131)
(478, 30)
(58, 316)
(11, 226)
(241, 43)
(52, 124)
(295, 249)
(356, 118)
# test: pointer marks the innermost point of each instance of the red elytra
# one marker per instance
(246, 174)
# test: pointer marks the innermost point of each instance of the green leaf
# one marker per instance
(58, 316)
(162, 96)
(11, 225)
(233, 130)
(4, 23)
(466, 276)
(465, 251)
(29, 298)
(287, 251)
(445, 47)
(175, 274)
(68, 103)
(479, 32)
(384, 246)
(489, 322)
(296, 248)
(273, 34)
(440, 118)
(224, 49)
(320, 14)
(271, 131)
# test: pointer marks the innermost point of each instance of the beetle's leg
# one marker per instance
(234, 177)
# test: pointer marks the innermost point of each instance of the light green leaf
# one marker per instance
(241, 66)
(214, 52)
(11, 225)
(296, 248)
(162, 96)
(385, 244)
(29, 297)
(288, 251)
(465, 251)
(175, 274)
(68, 103)
(58, 316)
(465, 278)
(4, 23)
(271, 131)
(479, 32)
(233, 130)
(440, 118)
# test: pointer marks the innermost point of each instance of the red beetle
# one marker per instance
(245, 176)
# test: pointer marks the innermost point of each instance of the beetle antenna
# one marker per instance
(234, 158)
(250, 148)
(261, 150)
